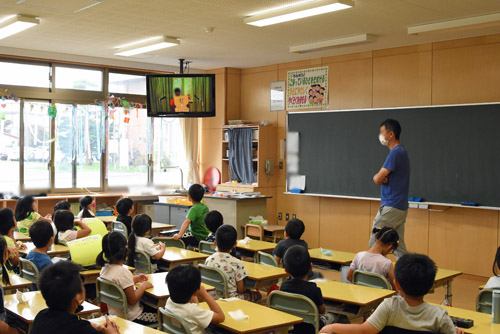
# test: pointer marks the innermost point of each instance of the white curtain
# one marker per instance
(190, 128)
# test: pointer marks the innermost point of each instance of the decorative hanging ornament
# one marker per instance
(4, 105)
(52, 111)
(2, 115)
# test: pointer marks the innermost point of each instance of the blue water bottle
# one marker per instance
(496, 307)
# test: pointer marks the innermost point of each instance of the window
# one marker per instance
(65, 144)
(168, 151)
(24, 75)
(127, 84)
(77, 78)
(10, 112)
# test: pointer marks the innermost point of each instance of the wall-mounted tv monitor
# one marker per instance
(181, 95)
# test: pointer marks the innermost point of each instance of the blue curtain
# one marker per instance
(240, 155)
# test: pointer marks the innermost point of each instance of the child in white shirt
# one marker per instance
(139, 241)
(65, 224)
(86, 205)
(494, 281)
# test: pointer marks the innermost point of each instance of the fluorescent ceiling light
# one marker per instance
(147, 45)
(300, 11)
(15, 24)
(323, 45)
(459, 24)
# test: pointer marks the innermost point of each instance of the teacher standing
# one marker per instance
(394, 181)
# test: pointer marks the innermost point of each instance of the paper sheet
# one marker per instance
(85, 250)
(96, 225)
(292, 142)
(297, 182)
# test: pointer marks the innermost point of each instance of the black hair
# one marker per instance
(64, 220)
(40, 233)
(124, 205)
(415, 274)
(297, 261)
(213, 220)
(114, 249)
(388, 236)
(182, 282)
(84, 202)
(6, 221)
(59, 284)
(392, 125)
(295, 228)
(496, 263)
(177, 90)
(141, 224)
(196, 192)
(24, 207)
(5, 273)
(61, 205)
(225, 237)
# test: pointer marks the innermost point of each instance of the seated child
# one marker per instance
(415, 276)
(494, 281)
(297, 263)
(225, 240)
(374, 260)
(184, 284)
(61, 205)
(26, 213)
(42, 236)
(65, 223)
(112, 258)
(63, 291)
(4, 327)
(125, 207)
(193, 230)
(213, 220)
(293, 232)
(86, 206)
(139, 241)
(7, 227)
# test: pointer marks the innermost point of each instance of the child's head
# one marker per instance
(213, 220)
(86, 205)
(124, 206)
(141, 227)
(496, 263)
(62, 205)
(225, 238)
(114, 249)
(61, 286)
(388, 239)
(294, 229)
(63, 220)
(183, 282)
(415, 274)
(297, 261)
(7, 222)
(4, 256)
(196, 193)
(24, 207)
(41, 234)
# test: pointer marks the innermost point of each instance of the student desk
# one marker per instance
(254, 246)
(16, 282)
(107, 219)
(55, 250)
(174, 256)
(18, 236)
(127, 327)
(158, 227)
(482, 321)
(261, 319)
(445, 277)
(25, 313)
(335, 261)
(262, 276)
(275, 231)
(90, 276)
(352, 299)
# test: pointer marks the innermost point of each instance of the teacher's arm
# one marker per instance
(381, 176)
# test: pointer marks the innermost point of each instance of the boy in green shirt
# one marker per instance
(193, 230)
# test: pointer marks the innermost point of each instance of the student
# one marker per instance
(125, 207)
(64, 294)
(65, 223)
(193, 230)
(42, 236)
(374, 260)
(297, 263)
(7, 227)
(184, 284)
(293, 232)
(61, 205)
(86, 206)
(415, 276)
(494, 281)
(26, 213)
(4, 327)
(225, 240)
(112, 258)
(213, 220)
(139, 241)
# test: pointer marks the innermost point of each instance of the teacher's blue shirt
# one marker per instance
(394, 193)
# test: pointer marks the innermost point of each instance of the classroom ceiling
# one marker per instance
(96, 31)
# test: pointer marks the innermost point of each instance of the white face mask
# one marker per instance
(382, 139)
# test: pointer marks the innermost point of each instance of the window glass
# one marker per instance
(24, 75)
(77, 78)
(65, 144)
(9, 145)
(90, 145)
(168, 151)
(127, 84)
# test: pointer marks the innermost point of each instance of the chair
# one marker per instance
(171, 323)
(295, 304)
(169, 242)
(254, 231)
(484, 301)
(214, 277)
(206, 247)
(121, 228)
(142, 262)
(266, 259)
(28, 270)
(372, 280)
(112, 294)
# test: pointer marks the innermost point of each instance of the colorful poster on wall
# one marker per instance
(307, 88)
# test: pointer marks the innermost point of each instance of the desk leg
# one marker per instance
(449, 294)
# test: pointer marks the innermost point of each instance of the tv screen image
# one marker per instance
(181, 95)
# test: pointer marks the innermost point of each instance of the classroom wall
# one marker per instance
(450, 72)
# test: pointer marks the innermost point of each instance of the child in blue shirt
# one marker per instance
(41, 234)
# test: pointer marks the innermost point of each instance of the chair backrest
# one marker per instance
(295, 304)
(169, 242)
(372, 280)
(121, 228)
(171, 323)
(142, 262)
(397, 330)
(254, 231)
(112, 294)
(214, 277)
(266, 259)
(484, 301)
(207, 247)
(29, 270)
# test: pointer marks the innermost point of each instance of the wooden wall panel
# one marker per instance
(220, 103)
(211, 149)
(255, 97)
(233, 97)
